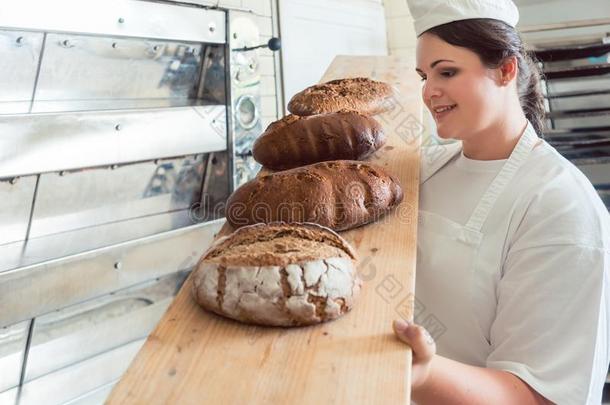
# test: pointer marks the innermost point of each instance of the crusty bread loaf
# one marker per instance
(296, 141)
(278, 274)
(360, 93)
(339, 194)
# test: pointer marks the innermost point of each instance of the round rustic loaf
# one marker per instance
(279, 275)
(359, 93)
(296, 141)
(339, 194)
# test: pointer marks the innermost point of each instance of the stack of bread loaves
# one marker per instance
(319, 150)
(284, 265)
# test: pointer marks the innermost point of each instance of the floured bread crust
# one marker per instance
(278, 274)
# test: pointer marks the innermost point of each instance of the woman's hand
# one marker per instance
(423, 347)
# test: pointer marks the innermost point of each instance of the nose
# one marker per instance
(430, 89)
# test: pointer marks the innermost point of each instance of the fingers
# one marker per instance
(418, 338)
(400, 327)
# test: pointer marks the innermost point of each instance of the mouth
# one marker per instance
(441, 112)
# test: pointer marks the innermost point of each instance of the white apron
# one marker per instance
(446, 255)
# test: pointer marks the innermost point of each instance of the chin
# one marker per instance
(445, 133)
(445, 129)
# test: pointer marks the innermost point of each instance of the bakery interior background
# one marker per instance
(63, 212)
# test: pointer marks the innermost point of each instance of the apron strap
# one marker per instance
(517, 158)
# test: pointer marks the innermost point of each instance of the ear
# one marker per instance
(508, 70)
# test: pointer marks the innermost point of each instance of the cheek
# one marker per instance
(469, 90)
(474, 94)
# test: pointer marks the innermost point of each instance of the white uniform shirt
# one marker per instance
(541, 279)
(463, 177)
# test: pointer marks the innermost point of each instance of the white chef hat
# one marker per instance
(431, 13)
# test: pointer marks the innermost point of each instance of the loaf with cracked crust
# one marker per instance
(279, 275)
(296, 141)
(339, 194)
(359, 93)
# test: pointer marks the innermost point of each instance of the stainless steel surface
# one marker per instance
(568, 110)
(97, 396)
(576, 64)
(581, 103)
(116, 161)
(213, 75)
(576, 55)
(565, 24)
(54, 284)
(115, 104)
(277, 62)
(581, 122)
(230, 5)
(583, 84)
(247, 112)
(209, 206)
(51, 142)
(130, 18)
(15, 207)
(598, 173)
(20, 52)
(11, 255)
(582, 119)
(38, 250)
(9, 397)
(586, 150)
(589, 70)
(593, 107)
(73, 382)
(13, 341)
(229, 97)
(98, 325)
(559, 138)
(245, 94)
(215, 189)
(94, 72)
(94, 197)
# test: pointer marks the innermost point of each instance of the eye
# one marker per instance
(448, 73)
(423, 78)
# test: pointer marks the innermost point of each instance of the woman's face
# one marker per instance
(455, 77)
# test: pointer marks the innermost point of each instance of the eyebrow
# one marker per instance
(436, 62)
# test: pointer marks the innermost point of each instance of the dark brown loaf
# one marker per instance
(296, 141)
(359, 93)
(339, 194)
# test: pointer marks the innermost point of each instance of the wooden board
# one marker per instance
(194, 357)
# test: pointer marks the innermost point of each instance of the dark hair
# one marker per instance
(495, 41)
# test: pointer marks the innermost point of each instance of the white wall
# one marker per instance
(399, 26)
(315, 31)
(401, 42)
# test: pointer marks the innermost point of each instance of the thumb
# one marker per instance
(417, 337)
(400, 329)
